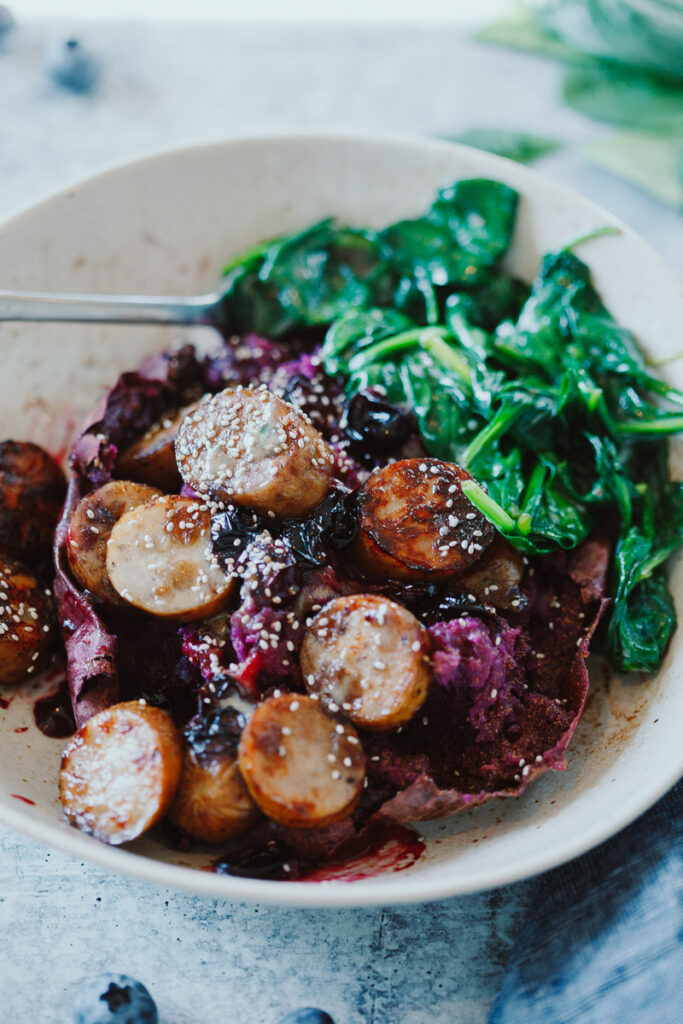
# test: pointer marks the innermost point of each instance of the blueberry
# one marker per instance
(231, 531)
(331, 526)
(307, 1015)
(214, 733)
(6, 21)
(375, 424)
(114, 999)
(71, 66)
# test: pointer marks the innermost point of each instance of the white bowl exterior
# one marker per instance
(166, 225)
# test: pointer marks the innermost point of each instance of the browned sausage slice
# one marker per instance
(151, 459)
(93, 520)
(212, 803)
(32, 489)
(415, 523)
(120, 771)
(159, 559)
(303, 768)
(248, 447)
(25, 623)
(495, 579)
(369, 657)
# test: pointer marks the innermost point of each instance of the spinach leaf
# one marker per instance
(520, 31)
(625, 96)
(356, 330)
(523, 147)
(480, 214)
(653, 162)
(313, 277)
(537, 391)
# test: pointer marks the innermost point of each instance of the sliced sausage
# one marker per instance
(249, 447)
(90, 528)
(212, 803)
(159, 560)
(303, 768)
(120, 771)
(369, 657)
(25, 623)
(151, 459)
(495, 579)
(415, 523)
(32, 489)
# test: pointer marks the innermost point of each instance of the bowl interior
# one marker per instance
(166, 225)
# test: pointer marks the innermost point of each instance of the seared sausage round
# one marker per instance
(369, 657)
(415, 523)
(495, 579)
(159, 559)
(120, 771)
(25, 623)
(93, 520)
(151, 459)
(303, 768)
(32, 489)
(212, 803)
(248, 447)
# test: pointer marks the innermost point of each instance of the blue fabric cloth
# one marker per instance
(603, 941)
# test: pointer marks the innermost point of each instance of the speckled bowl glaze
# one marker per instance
(166, 225)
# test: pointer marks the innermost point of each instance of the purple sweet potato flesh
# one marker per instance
(503, 706)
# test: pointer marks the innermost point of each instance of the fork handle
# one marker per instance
(107, 309)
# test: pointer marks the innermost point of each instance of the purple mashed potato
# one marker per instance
(507, 692)
(504, 702)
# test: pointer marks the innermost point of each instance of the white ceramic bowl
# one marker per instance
(166, 224)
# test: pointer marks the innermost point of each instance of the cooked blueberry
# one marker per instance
(274, 860)
(455, 606)
(374, 423)
(331, 526)
(231, 531)
(307, 1015)
(6, 20)
(114, 999)
(215, 733)
(72, 66)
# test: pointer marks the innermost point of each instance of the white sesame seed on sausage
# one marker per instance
(343, 667)
(249, 447)
(415, 523)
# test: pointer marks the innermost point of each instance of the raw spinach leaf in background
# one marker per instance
(519, 31)
(654, 162)
(625, 97)
(624, 66)
(524, 147)
(583, 30)
(636, 33)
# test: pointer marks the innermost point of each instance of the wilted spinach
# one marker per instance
(537, 391)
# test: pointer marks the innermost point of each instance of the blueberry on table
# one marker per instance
(72, 66)
(307, 1015)
(114, 999)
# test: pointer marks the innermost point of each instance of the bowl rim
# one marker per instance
(390, 888)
